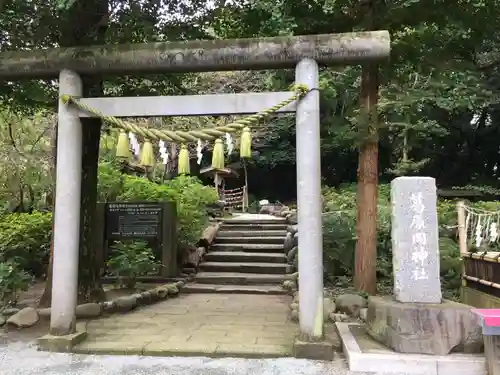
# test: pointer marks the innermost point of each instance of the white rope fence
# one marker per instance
(481, 228)
(479, 242)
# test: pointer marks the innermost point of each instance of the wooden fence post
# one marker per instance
(462, 236)
(462, 230)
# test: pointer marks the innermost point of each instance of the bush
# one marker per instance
(451, 268)
(339, 236)
(110, 182)
(190, 195)
(129, 260)
(339, 232)
(13, 280)
(339, 240)
(25, 240)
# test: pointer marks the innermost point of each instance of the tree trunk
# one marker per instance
(89, 283)
(92, 17)
(365, 274)
(46, 298)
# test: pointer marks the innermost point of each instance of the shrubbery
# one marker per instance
(13, 280)
(131, 259)
(25, 238)
(188, 192)
(339, 232)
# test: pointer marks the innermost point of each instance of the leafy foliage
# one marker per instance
(13, 280)
(436, 82)
(130, 260)
(443, 73)
(190, 195)
(25, 240)
(439, 108)
(25, 144)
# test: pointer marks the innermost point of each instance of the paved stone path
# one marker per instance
(258, 323)
(223, 325)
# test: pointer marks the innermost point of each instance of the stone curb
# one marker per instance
(291, 248)
(210, 351)
(29, 316)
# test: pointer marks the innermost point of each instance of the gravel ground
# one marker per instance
(21, 358)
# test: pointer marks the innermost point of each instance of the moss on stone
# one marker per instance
(198, 55)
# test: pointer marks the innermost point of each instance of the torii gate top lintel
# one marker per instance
(198, 55)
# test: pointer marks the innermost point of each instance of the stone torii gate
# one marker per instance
(303, 53)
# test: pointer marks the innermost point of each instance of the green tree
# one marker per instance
(438, 109)
(79, 23)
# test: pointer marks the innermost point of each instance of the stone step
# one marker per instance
(217, 219)
(252, 227)
(238, 278)
(250, 248)
(250, 240)
(252, 233)
(262, 268)
(239, 289)
(277, 220)
(241, 256)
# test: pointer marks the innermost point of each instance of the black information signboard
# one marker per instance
(154, 222)
(133, 220)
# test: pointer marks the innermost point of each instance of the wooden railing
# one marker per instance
(478, 239)
(235, 198)
(482, 272)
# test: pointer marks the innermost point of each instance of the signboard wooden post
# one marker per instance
(155, 222)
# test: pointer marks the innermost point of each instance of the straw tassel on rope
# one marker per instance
(218, 154)
(246, 144)
(183, 166)
(123, 146)
(147, 154)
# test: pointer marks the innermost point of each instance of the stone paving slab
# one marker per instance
(215, 325)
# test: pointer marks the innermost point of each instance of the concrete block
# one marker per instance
(388, 361)
(317, 350)
(63, 344)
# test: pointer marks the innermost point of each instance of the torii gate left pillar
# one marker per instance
(63, 335)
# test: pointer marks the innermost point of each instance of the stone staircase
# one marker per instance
(247, 257)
